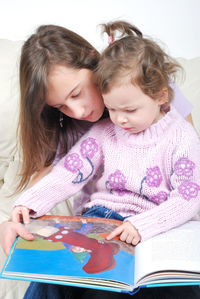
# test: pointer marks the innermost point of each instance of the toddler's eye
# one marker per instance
(75, 95)
(131, 110)
(110, 109)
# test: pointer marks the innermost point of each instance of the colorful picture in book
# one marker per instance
(80, 241)
(81, 244)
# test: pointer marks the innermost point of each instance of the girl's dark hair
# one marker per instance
(39, 129)
(139, 58)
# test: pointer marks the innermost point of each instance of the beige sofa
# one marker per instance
(9, 157)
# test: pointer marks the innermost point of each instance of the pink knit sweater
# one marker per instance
(153, 177)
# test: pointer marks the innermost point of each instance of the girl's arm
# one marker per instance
(40, 174)
(183, 202)
(67, 177)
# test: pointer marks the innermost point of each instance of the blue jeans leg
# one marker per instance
(49, 291)
(37, 290)
(102, 212)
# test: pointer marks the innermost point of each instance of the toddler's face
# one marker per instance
(74, 93)
(131, 109)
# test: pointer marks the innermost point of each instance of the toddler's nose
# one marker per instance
(121, 119)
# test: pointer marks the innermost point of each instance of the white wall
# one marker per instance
(175, 22)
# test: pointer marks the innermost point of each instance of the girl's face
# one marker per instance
(131, 109)
(74, 93)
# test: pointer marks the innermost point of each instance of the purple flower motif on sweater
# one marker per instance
(117, 182)
(88, 148)
(188, 189)
(73, 163)
(184, 167)
(160, 197)
(154, 177)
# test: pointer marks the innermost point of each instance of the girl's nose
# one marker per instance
(79, 112)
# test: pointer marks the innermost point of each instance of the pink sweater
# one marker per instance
(153, 177)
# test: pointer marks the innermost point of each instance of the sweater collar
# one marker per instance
(152, 134)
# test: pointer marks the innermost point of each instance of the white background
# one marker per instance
(174, 22)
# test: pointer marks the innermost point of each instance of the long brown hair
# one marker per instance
(139, 58)
(39, 129)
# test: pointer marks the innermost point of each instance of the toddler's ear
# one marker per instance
(163, 98)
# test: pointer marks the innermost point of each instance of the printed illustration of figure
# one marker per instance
(101, 253)
(79, 253)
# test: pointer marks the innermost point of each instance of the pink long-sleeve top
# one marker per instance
(152, 177)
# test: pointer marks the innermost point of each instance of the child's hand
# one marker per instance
(128, 233)
(19, 214)
(9, 231)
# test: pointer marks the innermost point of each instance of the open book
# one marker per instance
(73, 251)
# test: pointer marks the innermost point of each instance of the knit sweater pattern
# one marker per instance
(152, 177)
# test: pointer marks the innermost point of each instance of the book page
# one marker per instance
(177, 249)
(73, 250)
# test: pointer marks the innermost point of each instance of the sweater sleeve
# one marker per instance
(68, 176)
(183, 202)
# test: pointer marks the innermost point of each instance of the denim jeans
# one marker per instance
(102, 212)
(38, 290)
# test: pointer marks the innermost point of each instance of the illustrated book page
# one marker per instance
(73, 250)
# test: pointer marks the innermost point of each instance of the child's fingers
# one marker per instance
(117, 231)
(20, 213)
(25, 215)
(124, 236)
(23, 232)
(16, 215)
(129, 238)
(136, 240)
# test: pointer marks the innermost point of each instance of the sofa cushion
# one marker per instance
(9, 101)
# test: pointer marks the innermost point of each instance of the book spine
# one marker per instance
(134, 291)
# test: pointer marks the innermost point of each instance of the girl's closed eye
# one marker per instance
(131, 110)
(76, 94)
